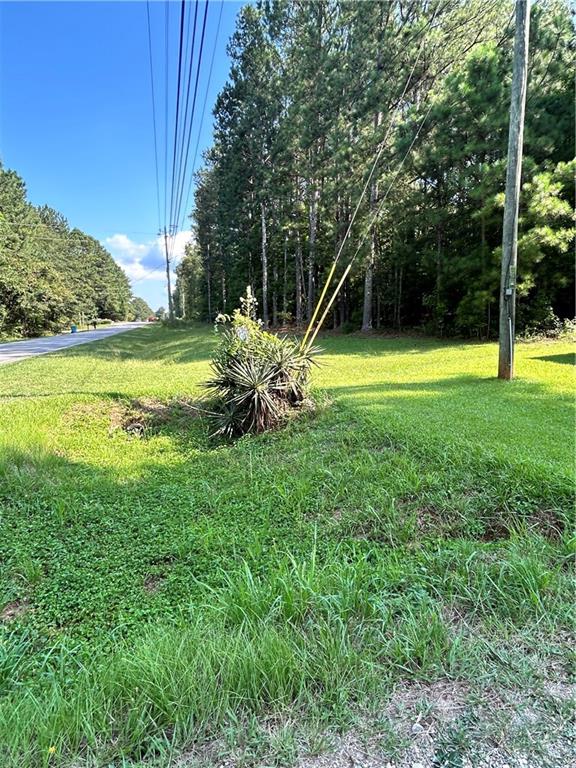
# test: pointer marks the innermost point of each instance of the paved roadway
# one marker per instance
(15, 351)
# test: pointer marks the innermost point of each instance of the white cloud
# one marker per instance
(136, 272)
(121, 244)
(146, 261)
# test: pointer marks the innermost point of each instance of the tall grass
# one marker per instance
(311, 636)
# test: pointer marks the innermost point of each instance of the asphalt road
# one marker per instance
(15, 351)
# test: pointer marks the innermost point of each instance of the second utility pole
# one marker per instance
(170, 305)
(513, 176)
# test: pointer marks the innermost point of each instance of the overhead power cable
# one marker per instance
(186, 107)
(176, 121)
(166, 100)
(180, 191)
(187, 201)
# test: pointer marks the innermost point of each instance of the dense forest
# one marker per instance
(51, 275)
(318, 94)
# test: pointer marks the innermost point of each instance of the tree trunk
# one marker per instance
(264, 266)
(208, 281)
(275, 292)
(399, 301)
(368, 280)
(312, 250)
(342, 305)
(369, 275)
(439, 313)
(482, 251)
(285, 279)
(299, 271)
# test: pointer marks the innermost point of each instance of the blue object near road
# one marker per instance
(73, 328)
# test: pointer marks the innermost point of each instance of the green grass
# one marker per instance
(161, 589)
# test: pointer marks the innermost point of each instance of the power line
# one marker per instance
(147, 273)
(166, 63)
(176, 121)
(204, 107)
(182, 178)
(191, 179)
(187, 103)
(175, 147)
(181, 189)
(177, 180)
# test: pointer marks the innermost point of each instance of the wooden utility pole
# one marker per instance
(170, 304)
(208, 281)
(513, 174)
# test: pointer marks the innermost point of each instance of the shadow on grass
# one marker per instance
(569, 358)
(382, 346)
(63, 393)
(470, 387)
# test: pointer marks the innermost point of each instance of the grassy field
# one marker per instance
(158, 591)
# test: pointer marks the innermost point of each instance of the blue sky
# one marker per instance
(76, 116)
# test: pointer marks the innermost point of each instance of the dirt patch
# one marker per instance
(495, 530)
(429, 520)
(79, 411)
(547, 522)
(446, 724)
(497, 525)
(560, 691)
(543, 521)
(153, 582)
(14, 610)
(145, 416)
(425, 703)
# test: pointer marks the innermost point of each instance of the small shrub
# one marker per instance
(285, 318)
(258, 376)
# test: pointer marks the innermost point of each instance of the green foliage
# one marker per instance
(258, 377)
(51, 275)
(190, 284)
(139, 309)
(311, 98)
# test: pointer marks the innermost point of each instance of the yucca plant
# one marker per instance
(258, 377)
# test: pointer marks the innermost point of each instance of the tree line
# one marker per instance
(317, 94)
(52, 275)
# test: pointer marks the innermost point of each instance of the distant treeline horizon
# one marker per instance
(51, 275)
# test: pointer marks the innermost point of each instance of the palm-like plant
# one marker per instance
(292, 368)
(257, 378)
